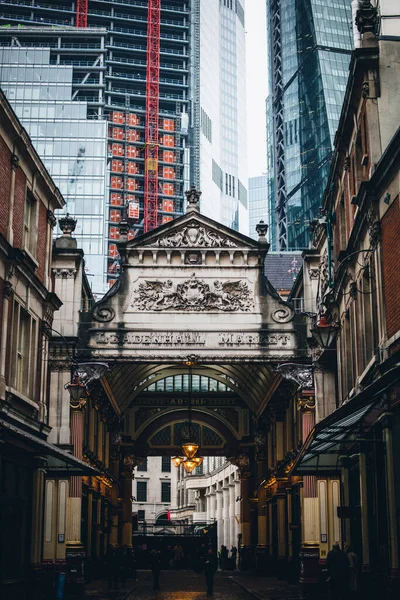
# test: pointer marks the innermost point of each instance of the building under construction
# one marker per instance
(136, 65)
(140, 88)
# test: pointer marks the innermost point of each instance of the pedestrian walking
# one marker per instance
(112, 567)
(155, 565)
(337, 564)
(210, 567)
(234, 556)
(354, 571)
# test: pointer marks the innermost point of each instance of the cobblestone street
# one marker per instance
(188, 585)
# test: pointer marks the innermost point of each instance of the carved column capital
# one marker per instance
(14, 162)
(7, 289)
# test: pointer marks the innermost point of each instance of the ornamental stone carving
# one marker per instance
(242, 462)
(64, 273)
(301, 375)
(194, 295)
(196, 236)
(284, 314)
(367, 17)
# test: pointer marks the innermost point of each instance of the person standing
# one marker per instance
(354, 564)
(234, 556)
(337, 564)
(210, 567)
(155, 564)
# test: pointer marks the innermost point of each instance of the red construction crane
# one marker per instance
(81, 13)
(152, 107)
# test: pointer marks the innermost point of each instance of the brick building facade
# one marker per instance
(354, 262)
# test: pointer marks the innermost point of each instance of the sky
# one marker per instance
(257, 84)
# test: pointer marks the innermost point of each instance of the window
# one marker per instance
(141, 491)
(30, 227)
(142, 466)
(166, 464)
(141, 515)
(165, 491)
(25, 344)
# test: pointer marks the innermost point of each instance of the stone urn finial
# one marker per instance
(193, 199)
(262, 230)
(67, 225)
(367, 18)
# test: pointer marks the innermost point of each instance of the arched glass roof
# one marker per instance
(181, 383)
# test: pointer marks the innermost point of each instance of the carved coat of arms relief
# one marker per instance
(195, 236)
(194, 295)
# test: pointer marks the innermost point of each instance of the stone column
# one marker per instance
(391, 507)
(309, 555)
(232, 520)
(37, 512)
(127, 474)
(261, 530)
(115, 442)
(225, 494)
(344, 476)
(364, 514)
(245, 511)
(7, 289)
(75, 552)
(75, 488)
(220, 525)
(127, 511)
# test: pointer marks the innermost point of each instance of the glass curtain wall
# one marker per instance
(316, 42)
(72, 147)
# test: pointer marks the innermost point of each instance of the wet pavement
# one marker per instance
(188, 585)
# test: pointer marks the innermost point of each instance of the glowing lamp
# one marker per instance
(190, 449)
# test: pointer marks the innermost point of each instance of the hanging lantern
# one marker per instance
(189, 465)
(190, 449)
(77, 391)
(198, 460)
(324, 332)
(177, 460)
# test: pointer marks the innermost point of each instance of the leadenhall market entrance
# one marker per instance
(192, 343)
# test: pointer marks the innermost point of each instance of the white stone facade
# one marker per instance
(211, 497)
(154, 476)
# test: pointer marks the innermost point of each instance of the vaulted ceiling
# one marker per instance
(254, 383)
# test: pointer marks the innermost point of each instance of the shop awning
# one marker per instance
(325, 445)
(58, 461)
(338, 433)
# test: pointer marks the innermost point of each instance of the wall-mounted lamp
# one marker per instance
(77, 391)
(324, 332)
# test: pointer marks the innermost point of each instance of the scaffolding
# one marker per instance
(152, 109)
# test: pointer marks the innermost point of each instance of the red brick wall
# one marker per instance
(19, 207)
(5, 185)
(391, 271)
(41, 241)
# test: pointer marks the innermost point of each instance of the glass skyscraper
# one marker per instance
(218, 93)
(72, 146)
(309, 43)
(258, 204)
(201, 109)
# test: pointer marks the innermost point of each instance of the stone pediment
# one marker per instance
(195, 231)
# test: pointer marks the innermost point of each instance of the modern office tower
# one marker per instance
(309, 44)
(60, 105)
(219, 160)
(123, 100)
(198, 118)
(258, 204)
